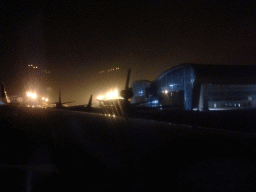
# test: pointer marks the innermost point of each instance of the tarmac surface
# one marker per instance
(50, 150)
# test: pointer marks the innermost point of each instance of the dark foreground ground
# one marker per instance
(57, 150)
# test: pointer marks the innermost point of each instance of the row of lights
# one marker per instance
(45, 99)
(44, 71)
(34, 96)
(35, 67)
(165, 91)
(109, 70)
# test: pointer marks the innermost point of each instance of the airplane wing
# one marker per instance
(68, 102)
(49, 150)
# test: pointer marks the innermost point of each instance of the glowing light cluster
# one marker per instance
(31, 95)
(45, 99)
(109, 70)
(101, 97)
(113, 94)
(165, 91)
(34, 96)
(35, 67)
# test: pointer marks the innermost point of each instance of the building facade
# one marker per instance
(139, 89)
(202, 87)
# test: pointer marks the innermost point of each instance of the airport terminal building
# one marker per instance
(139, 90)
(199, 87)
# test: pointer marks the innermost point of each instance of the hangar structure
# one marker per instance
(199, 87)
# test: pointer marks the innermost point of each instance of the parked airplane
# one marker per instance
(87, 108)
(59, 104)
(84, 108)
(122, 107)
(89, 105)
(118, 106)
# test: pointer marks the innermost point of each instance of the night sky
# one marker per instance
(76, 40)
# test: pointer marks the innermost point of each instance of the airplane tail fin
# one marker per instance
(59, 96)
(127, 92)
(90, 102)
(127, 80)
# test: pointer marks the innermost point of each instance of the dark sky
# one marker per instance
(76, 40)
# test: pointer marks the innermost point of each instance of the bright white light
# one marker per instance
(166, 91)
(101, 97)
(43, 98)
(28, 94)
(46, 100)
(32, 95)
(110, 95)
